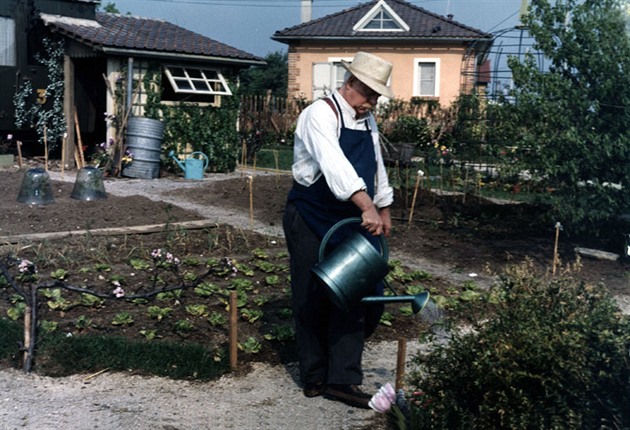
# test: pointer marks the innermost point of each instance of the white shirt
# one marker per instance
(316, 151)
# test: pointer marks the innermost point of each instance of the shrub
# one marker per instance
(554, 354)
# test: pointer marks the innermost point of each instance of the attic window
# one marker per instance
(193, 80)
(381, 18)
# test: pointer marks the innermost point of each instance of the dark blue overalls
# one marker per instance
(329, 340)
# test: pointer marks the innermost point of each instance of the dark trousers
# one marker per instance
(329, 340)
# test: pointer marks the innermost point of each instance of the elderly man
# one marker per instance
(338, 173)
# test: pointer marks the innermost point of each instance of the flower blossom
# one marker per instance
(119, 292)
(26, 266)
(382, 401)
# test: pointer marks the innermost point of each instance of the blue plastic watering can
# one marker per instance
(193, 167)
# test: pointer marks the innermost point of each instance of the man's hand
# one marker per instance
(370, 216)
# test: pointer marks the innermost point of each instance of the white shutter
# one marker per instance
(322, 80)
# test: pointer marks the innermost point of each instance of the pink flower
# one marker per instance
(119, 292)
(382, 401)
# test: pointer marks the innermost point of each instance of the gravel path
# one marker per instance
(265, 398)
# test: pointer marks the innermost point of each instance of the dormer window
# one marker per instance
(381, 18)
(382, 21)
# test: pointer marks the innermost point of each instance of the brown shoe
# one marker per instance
(314, 389)
(349, 394)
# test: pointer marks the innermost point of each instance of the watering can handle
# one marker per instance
(343, 222)
(204, 156)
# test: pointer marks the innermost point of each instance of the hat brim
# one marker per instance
(383, 90)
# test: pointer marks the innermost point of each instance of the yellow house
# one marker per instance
(434, 57)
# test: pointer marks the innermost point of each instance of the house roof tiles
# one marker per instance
(423, 25)
(127, 32)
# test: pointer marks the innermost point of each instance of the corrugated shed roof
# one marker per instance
(423, 25)
(127, 32)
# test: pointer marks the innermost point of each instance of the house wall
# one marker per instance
(302, 57)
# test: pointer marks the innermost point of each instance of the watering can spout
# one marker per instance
(179, 163)
(418, 302)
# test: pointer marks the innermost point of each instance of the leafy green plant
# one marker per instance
(386, 319)
(206, 289)
(158, 313)
(217, 319)
(272, 280)
(260, 253)
(48, 326)
(250, 346)
(282, 333)
(183, 326)
(285, 313)
(59, 274)
(149, 334)
(139, 264)
(83, 322)
(197, 310)
(241, 284)
(553, 354)
(122, 318)
(251, 315)
(265, 266)
(16, 311)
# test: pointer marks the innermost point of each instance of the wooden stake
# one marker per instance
(233, 330)
(276, 159)
(19, 148)
(556, 260)
(79, 141)
(400, 363)
(63, 154)
(415, 194)
(27, 334)
(45, 150)
(250, 179)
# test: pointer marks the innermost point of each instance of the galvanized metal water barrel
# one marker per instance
(144, 141)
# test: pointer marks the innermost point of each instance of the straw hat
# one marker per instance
(372, 71)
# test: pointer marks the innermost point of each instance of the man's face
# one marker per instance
(362, 97)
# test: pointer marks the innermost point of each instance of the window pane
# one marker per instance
(194, 73)
(427, 79)
(7, 42)
(177, 71)
(182, 84)
(200, 85)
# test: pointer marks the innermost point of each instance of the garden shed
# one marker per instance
(105, 59)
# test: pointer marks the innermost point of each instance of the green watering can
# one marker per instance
(352, 269)
(193, 167)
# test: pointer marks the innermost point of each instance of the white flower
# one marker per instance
(119, 292)
(382, 401)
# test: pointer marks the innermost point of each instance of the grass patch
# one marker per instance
(266, 158)
(59, 355)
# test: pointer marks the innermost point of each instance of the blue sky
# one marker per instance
(249, 24)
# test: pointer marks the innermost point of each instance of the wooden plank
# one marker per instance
(594, 253)
(112, 231)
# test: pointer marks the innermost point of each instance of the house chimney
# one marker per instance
(307, 11)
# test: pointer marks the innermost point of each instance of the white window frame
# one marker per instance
(417, 78)
(332, 82)
(7, 42)
(194, 82)
(381, 6)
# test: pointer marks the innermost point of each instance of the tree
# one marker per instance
(110, 8)
(571, 121)
(273, 77)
